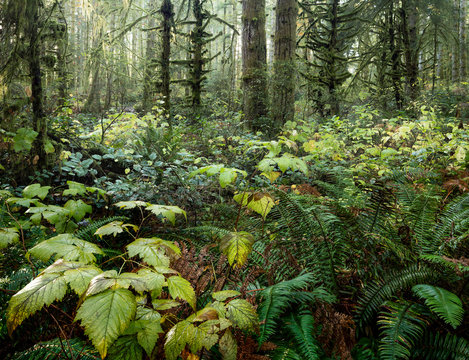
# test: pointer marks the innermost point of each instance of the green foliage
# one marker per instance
(237, 247)
(401, 327)
(24, 139)
(58, 349)
(443, 302)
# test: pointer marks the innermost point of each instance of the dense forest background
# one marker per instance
(254, 179)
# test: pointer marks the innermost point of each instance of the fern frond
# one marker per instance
(302, 329)
(401, 326)
(59, 349)
(277, 298)
(377, 292)
(285, 353)
(443, 302)
(435, 346)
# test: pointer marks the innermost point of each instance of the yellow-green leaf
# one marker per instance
(228, 346)
(177, 338)
(105, 316)
(127, 205)
(180, 288)
(68, 247)
(258, 202)
(79, 278)
(225, 294)
(8, 236)
(36, 190)
(42, 291)
(153, 251)
(242, 314)
(167, 212)
(237, 246)
(113, 228)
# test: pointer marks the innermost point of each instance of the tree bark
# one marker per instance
(149, 61)
(409, 17)
(283, 96)
(254, 63)
(168, 14)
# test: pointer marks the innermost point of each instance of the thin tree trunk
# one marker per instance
(168, 14)
(149, 61)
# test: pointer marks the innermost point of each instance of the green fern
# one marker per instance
(59, 349)
(279, 297)
(434, 346)
(443, 302)
(285, 353)
(401, 326)
(302, 329)
(377, 292)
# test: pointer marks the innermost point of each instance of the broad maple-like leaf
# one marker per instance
(180, 288)
(106, 315)
(237, 246)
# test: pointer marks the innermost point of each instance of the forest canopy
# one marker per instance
(234, 179)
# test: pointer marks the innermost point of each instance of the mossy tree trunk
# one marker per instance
(283, 89)
(168, 14)
(254, 63)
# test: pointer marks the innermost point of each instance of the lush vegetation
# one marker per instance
(312, 203)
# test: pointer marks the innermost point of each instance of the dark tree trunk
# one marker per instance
(167, 12)
(40, 121)
(254, 63)
(197, 40)
(283, 95)
(409, 17)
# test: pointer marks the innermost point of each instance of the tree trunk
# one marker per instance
(167, 12)
(394, 50)
(410, 40)
(462, 40)
(197, 55)
(149, 61)
(40, 121)
(254, 63)
(283, 96)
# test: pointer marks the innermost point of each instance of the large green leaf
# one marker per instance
(225, 294)
(36, 190)
(443, 302)
(153, 251)
(75, 188)
(177, 338)
(167, 212)
(80, 278)
(23, 139)
(228, 346)
(151, 328)
(78, 209)
(40, 292)
(127, 205)
(68, 247)
(180, 288)
(8, 236)
(237, 246)
(105, 316)
(113, 228)
(242, 314)
(126, 348)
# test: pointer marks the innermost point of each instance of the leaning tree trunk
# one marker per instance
(254, 63)
(283, 95)
(167, 12)
(40, 121)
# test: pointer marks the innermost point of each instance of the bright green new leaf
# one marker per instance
(153, 251)
(258, 202)
(443, 302)
(8, 236)
(225, 294)
(42, 291)
(24, 139)
(127, 205)
(68, 247)
(36, 190)
(105, 316)
(78, 209)
(180, 288)
(242, 314)
(237, 246)
(228, 347)
(168, 212)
